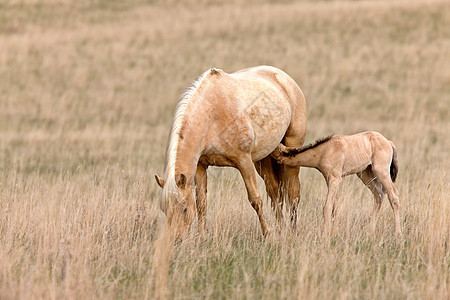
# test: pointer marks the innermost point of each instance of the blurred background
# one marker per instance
(88, 90)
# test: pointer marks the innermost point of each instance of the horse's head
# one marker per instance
(177, 201)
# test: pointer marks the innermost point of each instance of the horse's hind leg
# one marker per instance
(200, 191)
(291, 184)
(248, 172)
(383, 176)
(369, 179)
(295, 137)
(267, 168)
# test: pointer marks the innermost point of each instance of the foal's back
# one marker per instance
(361, 150)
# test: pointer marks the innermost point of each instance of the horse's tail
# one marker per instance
(394, 163)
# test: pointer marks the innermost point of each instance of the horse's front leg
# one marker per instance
(248, 172)
(200, 191)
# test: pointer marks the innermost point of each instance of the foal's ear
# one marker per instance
(181, 181)
(159, 180)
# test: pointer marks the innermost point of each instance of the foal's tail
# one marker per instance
(394, 163)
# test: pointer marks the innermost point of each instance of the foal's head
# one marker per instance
(177, 201)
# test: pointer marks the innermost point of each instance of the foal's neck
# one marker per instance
(309, 158)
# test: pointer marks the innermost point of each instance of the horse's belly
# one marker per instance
(270, 120)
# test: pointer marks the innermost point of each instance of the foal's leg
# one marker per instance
(200, 191)
(333, 186)
(248, 172)
(267, 168)
(369, 179)
(383, 176)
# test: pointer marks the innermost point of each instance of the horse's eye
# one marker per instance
(184, 210)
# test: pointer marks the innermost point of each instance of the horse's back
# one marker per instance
(253, 109)
(286, 85)
(276, 78)
(272, 100)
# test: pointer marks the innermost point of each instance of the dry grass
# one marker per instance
(87, 94)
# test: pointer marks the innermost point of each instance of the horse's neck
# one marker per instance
(190, 145)
(190, 126)
(187, 158)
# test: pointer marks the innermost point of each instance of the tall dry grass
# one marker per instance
(87, 94)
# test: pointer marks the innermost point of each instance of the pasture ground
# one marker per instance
(87, 94)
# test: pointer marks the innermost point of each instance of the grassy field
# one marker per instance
(87, 94)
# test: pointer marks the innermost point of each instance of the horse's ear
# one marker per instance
(159, 180)
(181, 181)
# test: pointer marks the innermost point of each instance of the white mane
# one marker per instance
(174, 137)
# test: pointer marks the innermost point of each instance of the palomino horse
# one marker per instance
(233, 120)
(368, 154)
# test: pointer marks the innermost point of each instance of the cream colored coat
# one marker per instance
(368, 154)
(233, 120)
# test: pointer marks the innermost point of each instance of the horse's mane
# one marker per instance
(174, 137)
(310, 146)
(177, 122)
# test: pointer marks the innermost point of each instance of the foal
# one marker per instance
(367, 154)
